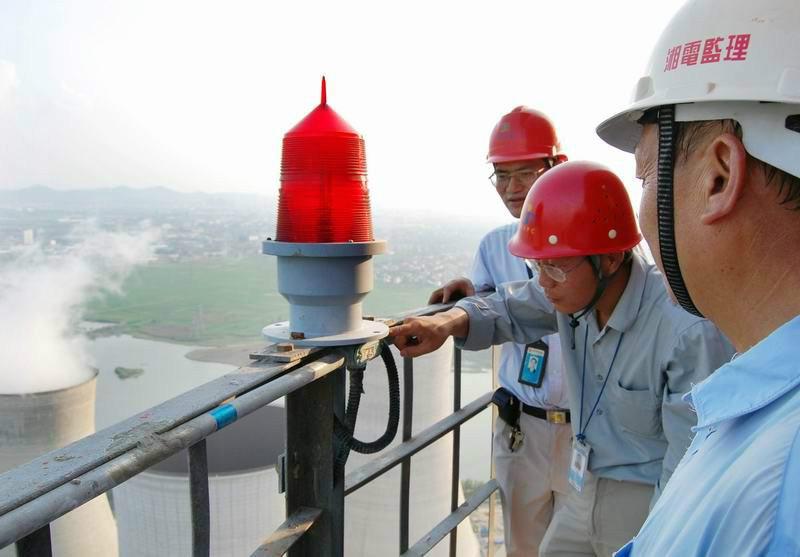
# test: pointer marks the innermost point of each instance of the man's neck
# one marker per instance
(613, 292)
(750, 284)
(757, 310)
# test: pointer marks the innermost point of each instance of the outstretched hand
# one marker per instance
(422, 335)
(453, 290)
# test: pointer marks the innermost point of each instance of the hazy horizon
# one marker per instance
(197, 95)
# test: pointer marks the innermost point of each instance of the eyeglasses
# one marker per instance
(558, 274)
(500, 179)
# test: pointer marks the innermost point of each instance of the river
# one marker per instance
(167, 373)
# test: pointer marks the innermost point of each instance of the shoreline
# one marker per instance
(235, 354)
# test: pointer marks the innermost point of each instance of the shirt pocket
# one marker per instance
(638, 411)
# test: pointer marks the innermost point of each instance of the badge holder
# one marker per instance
(578, 464)
(534, 360)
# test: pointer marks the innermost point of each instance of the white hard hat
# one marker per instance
(720, 59)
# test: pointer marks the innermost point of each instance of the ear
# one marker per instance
(611, 262)
(724, 178)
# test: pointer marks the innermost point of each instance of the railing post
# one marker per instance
(198, 493)
(496, 351)
(35, 544)
(405, 466)
(455, 477)
(311, 479)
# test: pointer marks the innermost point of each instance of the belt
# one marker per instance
(552, 416)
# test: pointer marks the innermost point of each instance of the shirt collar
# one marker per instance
(751, 381)
(627, 308)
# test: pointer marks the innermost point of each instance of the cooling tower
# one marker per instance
(34, 424)
(372, 514)
(154, 512)
(153, 508)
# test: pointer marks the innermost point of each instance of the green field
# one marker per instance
(218, 302)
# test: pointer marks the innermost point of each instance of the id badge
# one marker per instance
(533, 364)
(578, 464)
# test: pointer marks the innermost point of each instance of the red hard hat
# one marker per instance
(576, 208)
(524, 134)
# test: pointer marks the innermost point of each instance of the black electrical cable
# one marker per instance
(666, 209)
(344, 431)
(354, 398)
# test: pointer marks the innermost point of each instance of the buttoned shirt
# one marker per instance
(493, 266)
(737, 489)
(641, 426)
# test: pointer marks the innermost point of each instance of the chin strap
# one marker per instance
(666, 209)
(602, 284)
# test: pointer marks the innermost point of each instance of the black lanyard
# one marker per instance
(581, 426)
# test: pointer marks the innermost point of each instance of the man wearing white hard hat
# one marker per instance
(715, 127)
(531, 442)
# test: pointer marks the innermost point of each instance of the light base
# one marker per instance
(369, 330)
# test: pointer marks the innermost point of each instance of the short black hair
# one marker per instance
(689, 135)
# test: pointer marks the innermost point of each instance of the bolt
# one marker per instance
(297, 335)
(284, 347)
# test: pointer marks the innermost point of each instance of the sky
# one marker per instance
(196, 95)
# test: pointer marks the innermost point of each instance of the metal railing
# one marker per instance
(39, 492)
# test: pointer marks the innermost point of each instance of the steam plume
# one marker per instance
(42, 299)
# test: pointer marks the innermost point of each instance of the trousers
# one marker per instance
(532, 480)
(599, 520)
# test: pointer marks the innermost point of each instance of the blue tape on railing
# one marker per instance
(224, 415)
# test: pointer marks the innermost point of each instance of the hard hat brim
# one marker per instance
(515, 158)
(518, 248)
(622, 130)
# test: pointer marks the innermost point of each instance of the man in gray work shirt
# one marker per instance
(531, 442)
(629, 352)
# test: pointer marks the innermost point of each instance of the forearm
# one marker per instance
(515, 312)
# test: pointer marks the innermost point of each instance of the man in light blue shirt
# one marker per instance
(717, 148)
(629, 352)
(531, 442)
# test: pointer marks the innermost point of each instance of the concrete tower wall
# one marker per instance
(372, 514)
(153, 509)
(154, 512)
(34, 424)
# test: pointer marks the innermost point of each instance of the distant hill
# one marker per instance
(124, 198)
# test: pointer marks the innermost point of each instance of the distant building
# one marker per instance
(27, 237)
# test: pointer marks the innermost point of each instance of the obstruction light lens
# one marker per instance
(324, 196)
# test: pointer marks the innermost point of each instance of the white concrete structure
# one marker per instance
(153, 509)
(372, 514)
(34, 424)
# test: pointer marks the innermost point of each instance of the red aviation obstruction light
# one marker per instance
(324, 196)
(324, 241)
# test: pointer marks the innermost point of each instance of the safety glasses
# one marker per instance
(500, 179)
(555, 272)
